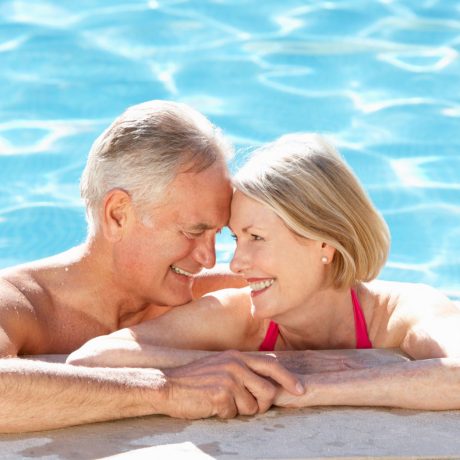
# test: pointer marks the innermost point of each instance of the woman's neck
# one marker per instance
(327, 321)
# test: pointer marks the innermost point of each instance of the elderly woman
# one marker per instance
(310, 245)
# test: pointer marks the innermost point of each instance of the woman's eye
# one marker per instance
(234, 237)
(256, 237)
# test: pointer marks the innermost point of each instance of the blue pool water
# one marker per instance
(382, 78)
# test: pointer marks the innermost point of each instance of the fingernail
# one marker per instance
(300, 388)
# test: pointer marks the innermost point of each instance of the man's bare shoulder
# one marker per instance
(25, 304)
(13, 291)
(17, 314)
(31, 284)
(19, 285)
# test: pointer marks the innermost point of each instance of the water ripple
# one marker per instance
(12, 44)
(381, 78)
(46, 133)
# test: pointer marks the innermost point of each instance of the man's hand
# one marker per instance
(227, 384)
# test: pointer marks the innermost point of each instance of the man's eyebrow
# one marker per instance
(202, 227)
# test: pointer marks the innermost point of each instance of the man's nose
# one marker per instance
(205, 252)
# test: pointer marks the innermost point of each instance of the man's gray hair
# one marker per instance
(144, 149)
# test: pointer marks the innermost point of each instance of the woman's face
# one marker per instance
(283, 269)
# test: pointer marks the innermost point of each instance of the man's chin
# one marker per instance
(176, 299)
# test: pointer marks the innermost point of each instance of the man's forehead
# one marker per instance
(212, 184)
(199, 201)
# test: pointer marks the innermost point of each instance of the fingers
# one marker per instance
(268, 366)
(261, 389)
(243, 401)
(225, 405)
(248, 391)
(212, 386)
(234, 383)
(253, 388)
(284, 399)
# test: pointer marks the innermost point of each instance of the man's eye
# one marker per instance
(256, 237)
(192, 235)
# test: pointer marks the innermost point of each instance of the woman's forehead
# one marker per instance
(246, 212)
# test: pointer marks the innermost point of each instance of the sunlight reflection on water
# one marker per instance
(380, 78)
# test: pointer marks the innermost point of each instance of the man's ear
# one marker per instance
(116, 209)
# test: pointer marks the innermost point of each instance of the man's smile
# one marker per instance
(181, 271)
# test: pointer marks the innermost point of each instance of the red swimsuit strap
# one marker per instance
(270, 337)
(362, 337)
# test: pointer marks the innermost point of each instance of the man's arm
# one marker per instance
(41, 396)
(215, 279)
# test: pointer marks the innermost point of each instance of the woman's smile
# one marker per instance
(259, 285)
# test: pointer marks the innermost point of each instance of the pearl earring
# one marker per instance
(324, 260)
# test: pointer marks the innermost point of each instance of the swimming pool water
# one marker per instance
(381, 78)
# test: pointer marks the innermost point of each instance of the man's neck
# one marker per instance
(115, 306)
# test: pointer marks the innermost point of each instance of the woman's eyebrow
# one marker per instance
(245, 229)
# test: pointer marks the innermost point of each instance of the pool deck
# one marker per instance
(344, 433)
(310, 433)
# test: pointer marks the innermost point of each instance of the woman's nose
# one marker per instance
(238, 262)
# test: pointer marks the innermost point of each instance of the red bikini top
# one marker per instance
(362, 337)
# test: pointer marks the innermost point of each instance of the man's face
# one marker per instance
(157, 261)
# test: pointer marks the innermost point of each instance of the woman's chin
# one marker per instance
(261, 310)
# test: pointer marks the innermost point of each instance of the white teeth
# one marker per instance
(180, 271)
(261, 285)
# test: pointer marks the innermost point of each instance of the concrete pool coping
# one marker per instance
(345, 433)
(310, 433)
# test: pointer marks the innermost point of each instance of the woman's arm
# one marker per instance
(428, 324)
(430, 384)
(216, 322)
(122, 350)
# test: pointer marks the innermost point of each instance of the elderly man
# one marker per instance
(157, 191)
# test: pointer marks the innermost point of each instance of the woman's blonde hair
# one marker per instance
(309, 186)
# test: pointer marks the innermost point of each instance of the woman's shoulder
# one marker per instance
(410, 300)
(393, 308)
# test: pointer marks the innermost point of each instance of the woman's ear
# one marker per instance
(327, 253)
(116, 210)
